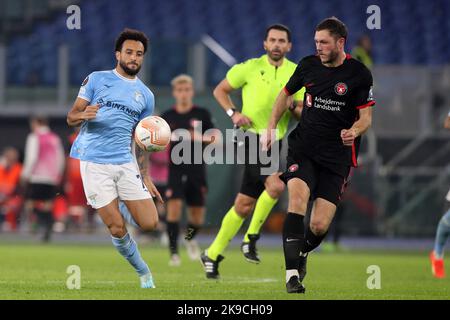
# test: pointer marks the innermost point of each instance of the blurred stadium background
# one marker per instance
(398, 192)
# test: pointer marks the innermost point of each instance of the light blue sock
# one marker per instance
(127, 215)
(129, 250)
(442, 234)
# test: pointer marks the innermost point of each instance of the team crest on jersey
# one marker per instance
(85, 81)
(138, 96)
(340, 88)
(293, 168)
(308, 100)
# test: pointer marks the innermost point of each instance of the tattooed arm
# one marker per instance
(142, 161)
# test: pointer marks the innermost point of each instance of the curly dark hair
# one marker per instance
(131, 34)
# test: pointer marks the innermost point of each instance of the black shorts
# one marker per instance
(41, 191)
(253, 180)
(324, 181)
(162, 188)
(189, 185)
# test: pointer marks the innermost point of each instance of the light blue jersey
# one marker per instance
(123, 103)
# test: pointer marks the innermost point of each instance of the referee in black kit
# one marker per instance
(323, 147)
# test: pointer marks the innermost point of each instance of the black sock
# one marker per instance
(45, 218)
(293, 234)
(312, 241)
(173, 229)
(191, 231)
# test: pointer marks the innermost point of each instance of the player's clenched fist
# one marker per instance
(348, 136)
(90, 112)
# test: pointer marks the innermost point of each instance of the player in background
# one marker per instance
(442, 234)
(159, 174)
(10, 201)
(324, 146)
(78, 210)
(108, 107)
(260, 79)
(363, 51)
(42, 172)
(187, 181)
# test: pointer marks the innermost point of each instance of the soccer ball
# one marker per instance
(152, 134)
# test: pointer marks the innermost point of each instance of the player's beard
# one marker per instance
(276, 57)
(128, 71)
(332, 58)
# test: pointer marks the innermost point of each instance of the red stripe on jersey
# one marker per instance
(345, 183)
(368, 104)
(287, 91)
(354, 160)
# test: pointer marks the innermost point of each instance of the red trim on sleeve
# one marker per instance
(368, 104)
(354, 160)
(287, 91)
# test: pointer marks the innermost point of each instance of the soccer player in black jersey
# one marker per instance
(187, 181)
(324, 146)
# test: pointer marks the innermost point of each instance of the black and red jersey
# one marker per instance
(197, 119)
(332, 100)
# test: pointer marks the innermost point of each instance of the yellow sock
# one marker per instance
(231, 224)
(263, 207)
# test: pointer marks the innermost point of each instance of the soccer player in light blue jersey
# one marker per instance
(108, 107)
(442, 234)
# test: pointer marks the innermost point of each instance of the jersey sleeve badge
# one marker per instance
(85, 81)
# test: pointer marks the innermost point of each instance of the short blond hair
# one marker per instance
(182, 78)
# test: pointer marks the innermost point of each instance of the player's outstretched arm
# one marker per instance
(447, 122)
(348, 136)
(81, 111)
(280, 106)
(222, 95)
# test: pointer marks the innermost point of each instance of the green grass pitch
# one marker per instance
(39, 272)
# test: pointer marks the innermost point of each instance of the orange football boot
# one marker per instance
(437, 266)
